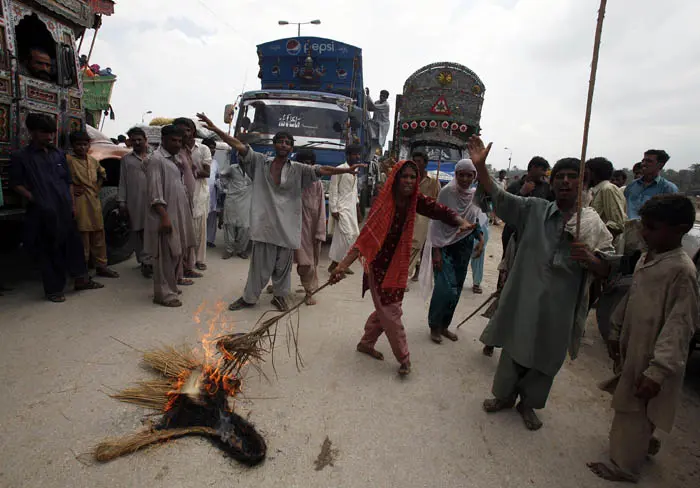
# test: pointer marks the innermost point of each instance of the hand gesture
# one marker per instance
(78, 190)
(581, 254)
(527, 188)
(647, 388)
(206, 121)
(477, 152)
(337, 274)
(166, 227)
(465, 226)
(355, 168)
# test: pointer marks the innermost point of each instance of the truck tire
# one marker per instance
(117, 231)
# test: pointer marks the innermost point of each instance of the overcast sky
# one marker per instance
(177, 57)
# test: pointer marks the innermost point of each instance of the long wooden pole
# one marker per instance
(589, 103)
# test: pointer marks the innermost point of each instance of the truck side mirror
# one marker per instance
(228, 113)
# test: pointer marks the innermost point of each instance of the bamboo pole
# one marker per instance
(92, 45)
(589, 103)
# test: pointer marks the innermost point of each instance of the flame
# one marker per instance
(175, 392)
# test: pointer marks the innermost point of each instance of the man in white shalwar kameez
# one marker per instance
(342, 204)
(381, 118)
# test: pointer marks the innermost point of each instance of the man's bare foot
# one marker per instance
(370, 351)
(608, 473)
(309, 300)
(494, 405)
(532, 422)
(450, 335)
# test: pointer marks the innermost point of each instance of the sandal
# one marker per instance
(56, 297)
(240, 304)
(280, 303)
(450, 335)
(477, 289)
(147, 271)
(172, 303)
(87, 284)
(227, 255)
(106, 272)
(488, 351)
(435, 336)
(370, 351)
(185, 282)
(405, 368)
(532, 422)
(190, 273)
(200, 266)
(496, 405)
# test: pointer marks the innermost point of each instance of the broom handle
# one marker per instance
(494, 294)
(587, 121)
(284, 314)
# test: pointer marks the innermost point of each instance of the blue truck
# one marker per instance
(312, 88)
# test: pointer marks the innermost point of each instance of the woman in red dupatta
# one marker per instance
(384, 246)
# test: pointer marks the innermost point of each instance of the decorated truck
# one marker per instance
(439, 109)
(312, 88)
(53, 87)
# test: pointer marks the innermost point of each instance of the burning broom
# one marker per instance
(195, 391)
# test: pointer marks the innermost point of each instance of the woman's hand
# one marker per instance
(465, 226)
(478, 250)
(338, 274)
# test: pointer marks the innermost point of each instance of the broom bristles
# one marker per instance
(171, 361)
(149, 394)
(120, 446)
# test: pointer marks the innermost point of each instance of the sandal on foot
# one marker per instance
(200, 266)
(56, 297)
(532, 422)
(243, 255)
(370, 351)
(488, 351)
(269, 289)
(493, 405)
(405, 368)
(602, 470)
(88, 284)
(172, 303)
(240, 304)
(227, 255)
(106, 273)
(435, 336)
(654, 446)
(190, 273)
(147, 271)
(280, 304)
(477, 289)
(450, 335)
(185, 282)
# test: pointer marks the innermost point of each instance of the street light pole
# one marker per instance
(299, 24)
(510, 156)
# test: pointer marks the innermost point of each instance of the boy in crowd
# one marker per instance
(649, 340)
(88, 175)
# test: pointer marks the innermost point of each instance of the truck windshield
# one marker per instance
(300, 118)
(441, 153)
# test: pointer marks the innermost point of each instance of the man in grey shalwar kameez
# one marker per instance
(544, 303)
(168, 231)
(238, 188)
(381, 118)
(276, 212)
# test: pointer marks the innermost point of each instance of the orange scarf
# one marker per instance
(377, 227)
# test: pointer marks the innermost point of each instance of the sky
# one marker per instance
(178, 57)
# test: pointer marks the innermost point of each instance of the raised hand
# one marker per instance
(206, 121)
(477, 152)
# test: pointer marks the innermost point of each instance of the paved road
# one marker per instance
(58, 362)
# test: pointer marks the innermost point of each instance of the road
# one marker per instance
(58, 362)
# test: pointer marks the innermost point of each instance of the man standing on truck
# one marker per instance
(342, 203)
(381, 118)
(276, 212)
(39, 172)
(132, 194)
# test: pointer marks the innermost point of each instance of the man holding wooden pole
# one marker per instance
(544, 304)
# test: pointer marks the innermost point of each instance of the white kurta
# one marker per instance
(342, 199)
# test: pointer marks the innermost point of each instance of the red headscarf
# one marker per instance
(377, 228)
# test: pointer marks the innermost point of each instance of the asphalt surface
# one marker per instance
(59, 362)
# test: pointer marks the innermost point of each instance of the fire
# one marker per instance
(220, 367)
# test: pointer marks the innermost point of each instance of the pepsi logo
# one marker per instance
(293, 47)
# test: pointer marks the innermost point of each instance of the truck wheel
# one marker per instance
(117, 231)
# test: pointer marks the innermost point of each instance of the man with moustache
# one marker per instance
(276, 212)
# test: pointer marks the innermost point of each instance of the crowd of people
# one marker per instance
(561, 257)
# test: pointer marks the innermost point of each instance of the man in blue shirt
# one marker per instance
(650, 184)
